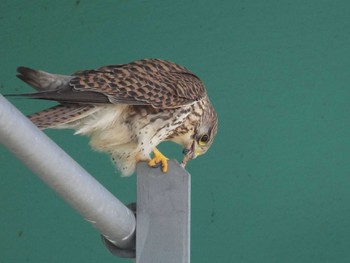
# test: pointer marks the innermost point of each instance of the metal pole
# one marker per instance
(59, 171)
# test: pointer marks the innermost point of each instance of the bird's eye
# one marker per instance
(203, 140)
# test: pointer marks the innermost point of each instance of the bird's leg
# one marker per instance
(159, 158)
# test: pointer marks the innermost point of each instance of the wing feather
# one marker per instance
(155, 82)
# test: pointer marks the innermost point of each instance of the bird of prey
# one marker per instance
(127, 110)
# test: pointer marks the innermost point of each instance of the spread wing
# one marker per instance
(154, 82)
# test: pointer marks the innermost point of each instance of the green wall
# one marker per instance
(275, 186)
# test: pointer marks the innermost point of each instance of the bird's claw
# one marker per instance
(159, 160)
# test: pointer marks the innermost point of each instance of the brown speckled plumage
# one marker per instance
(127, 110)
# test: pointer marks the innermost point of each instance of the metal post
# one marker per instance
(58, 170)
(163, 215)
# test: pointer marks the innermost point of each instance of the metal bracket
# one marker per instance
(163, 214)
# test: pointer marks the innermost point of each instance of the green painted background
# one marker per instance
(275, 187)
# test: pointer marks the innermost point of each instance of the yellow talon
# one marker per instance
(159, 158)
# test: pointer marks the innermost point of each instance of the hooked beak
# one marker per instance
(190, 153)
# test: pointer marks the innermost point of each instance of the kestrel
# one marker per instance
(127, 110)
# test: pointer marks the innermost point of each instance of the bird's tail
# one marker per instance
(41, 80)
(60, 115)
(48, 86)
(55, 87)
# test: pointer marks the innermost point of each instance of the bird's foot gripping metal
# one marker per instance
(159, 159)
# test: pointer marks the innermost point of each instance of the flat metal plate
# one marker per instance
(163, 214)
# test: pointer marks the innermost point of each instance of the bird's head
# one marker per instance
(203, 137)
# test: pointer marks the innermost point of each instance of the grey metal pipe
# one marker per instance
(59, 171)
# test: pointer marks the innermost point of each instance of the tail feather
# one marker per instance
(56, 87)
(41, 80)
(59, 115)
